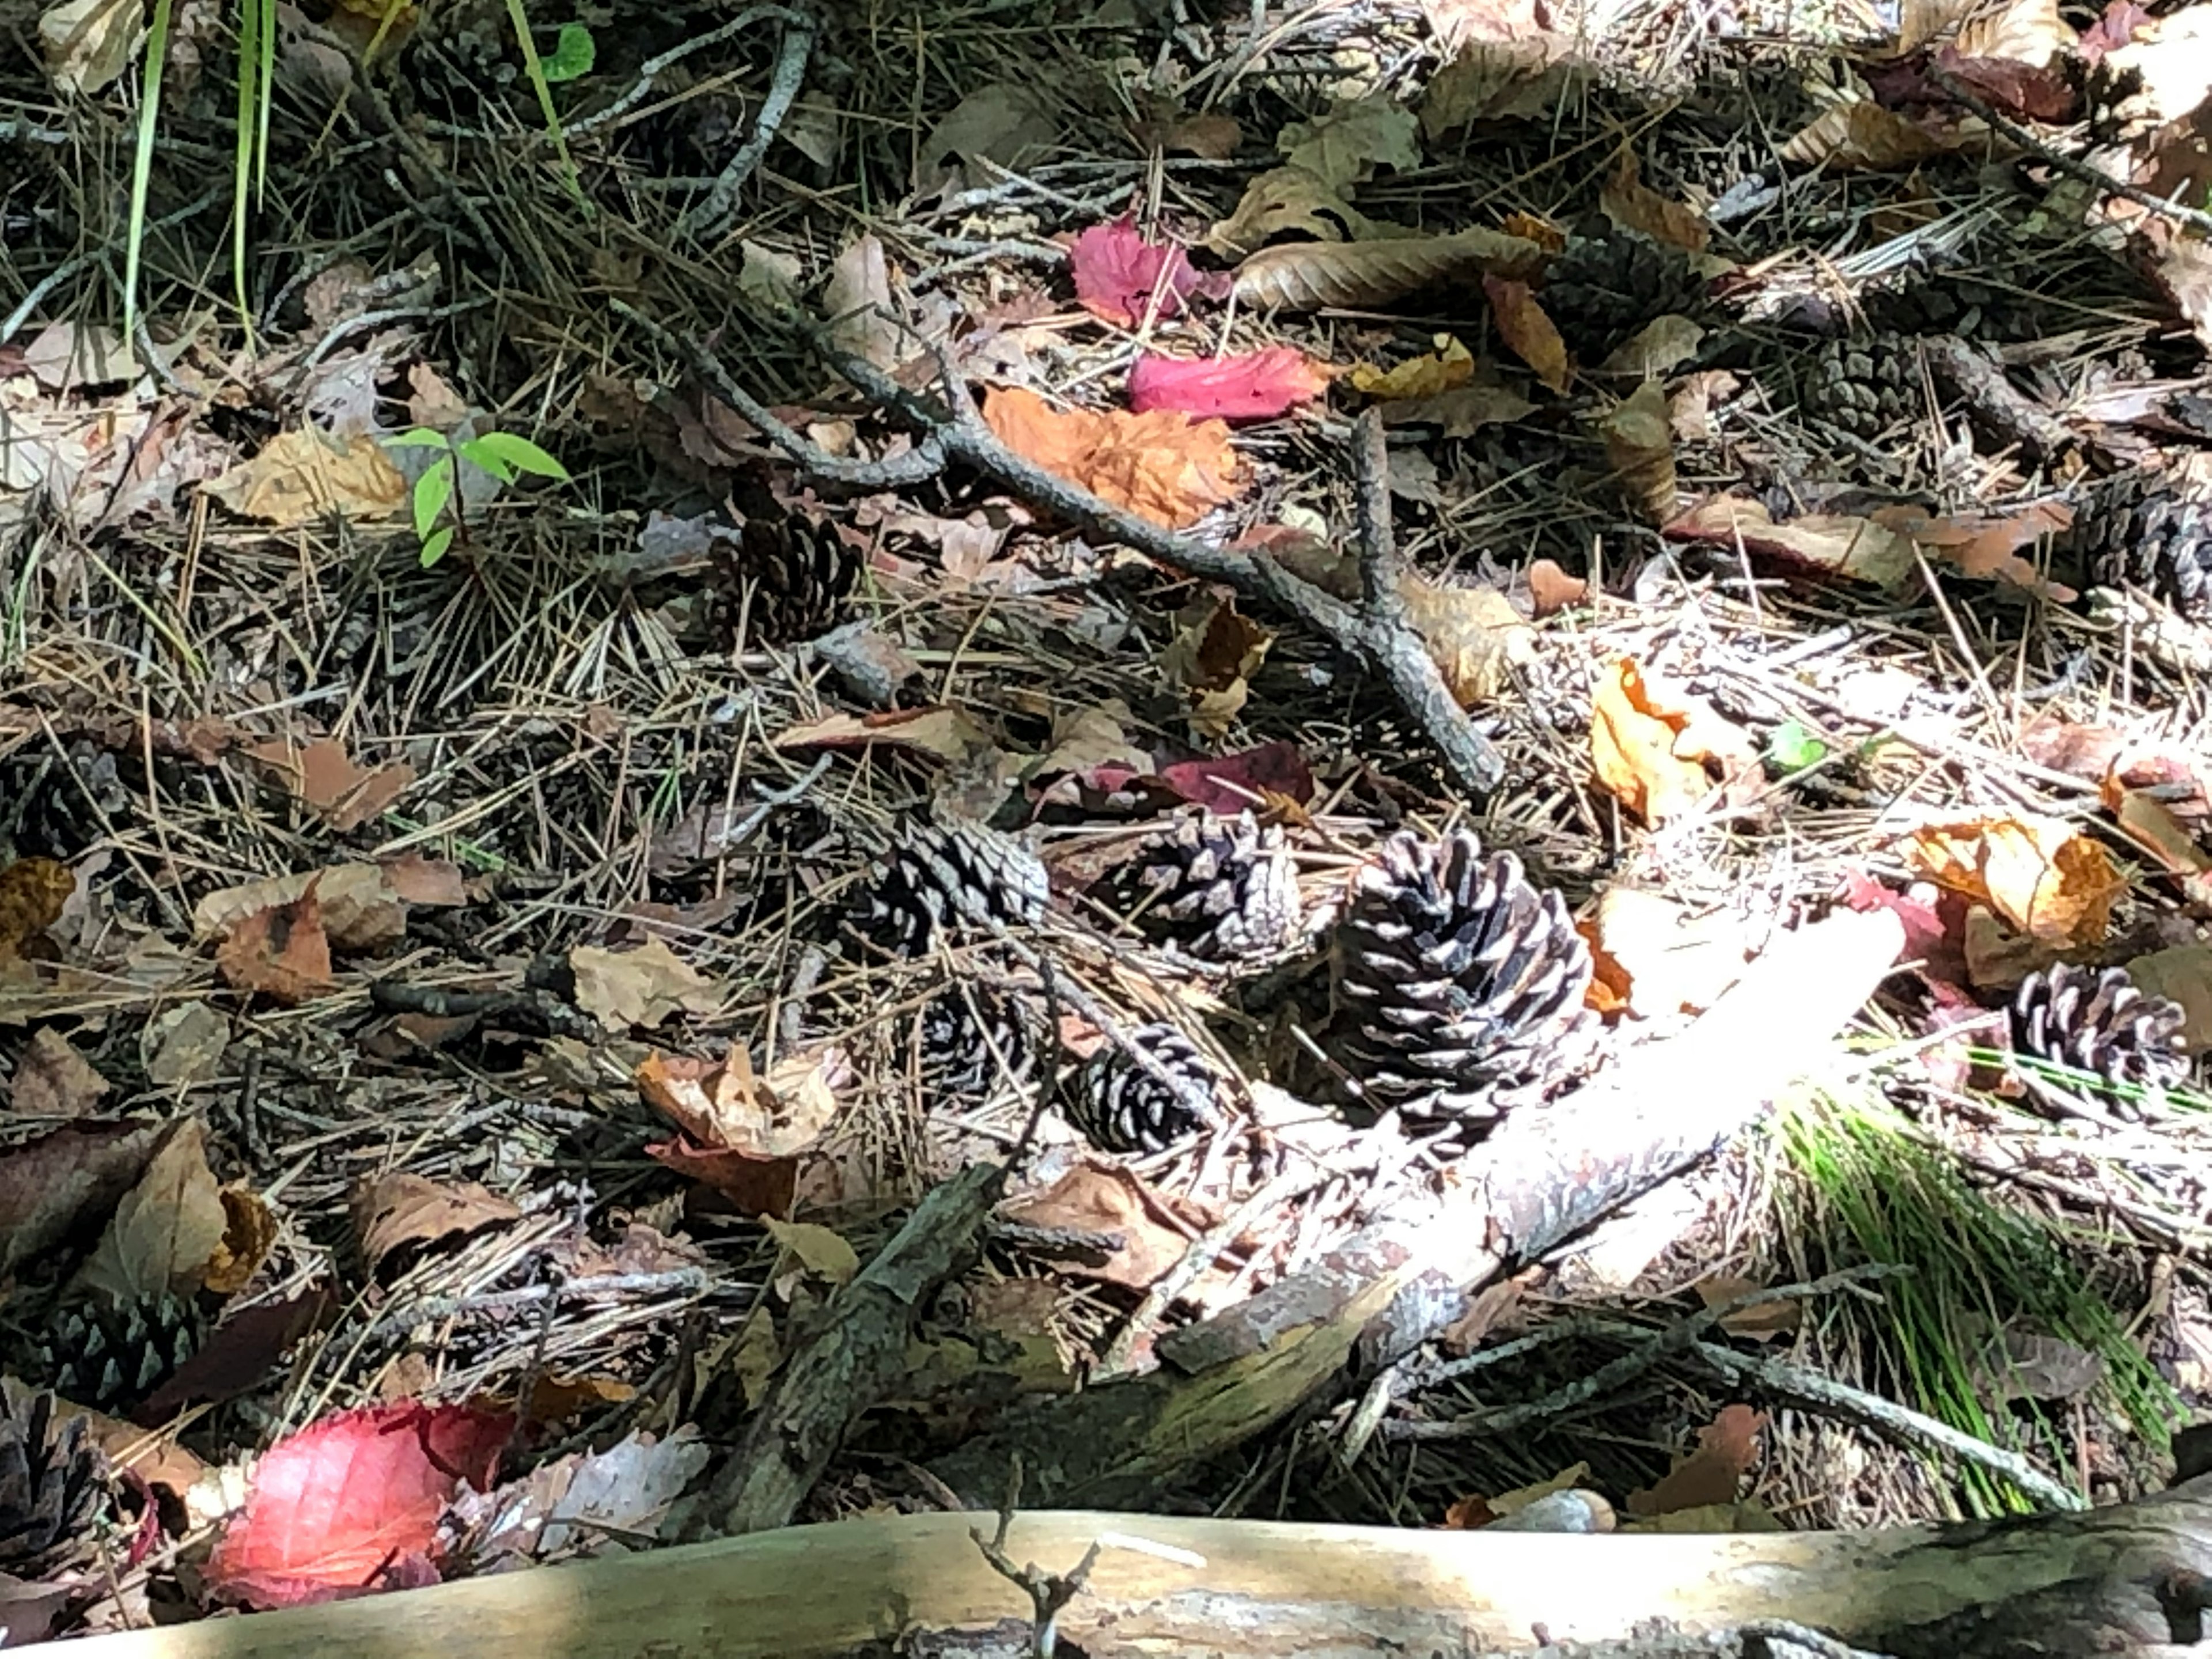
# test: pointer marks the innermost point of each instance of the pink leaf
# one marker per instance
(1229, 783)
(336, 1508)
(2113, 30)
(1253, 385)
(1117, 271)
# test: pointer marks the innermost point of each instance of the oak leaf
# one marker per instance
(2041, 875)
(1161, 465)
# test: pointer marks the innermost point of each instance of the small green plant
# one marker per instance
(436, 496)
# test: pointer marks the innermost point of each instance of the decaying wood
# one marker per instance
(2130, 1580)
(837, 1377)
(1544, 1176)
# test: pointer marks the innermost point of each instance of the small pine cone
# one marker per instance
(1121, 1107)
(971, 1038)
(2146, 529)
(110, 1355)
(1609, 281)
(2101, 1023)
(1865, 385)
(935, 878)
(1220, 889)
(60, 806)
(779, 582)
(1459, 985)
(52, 1478)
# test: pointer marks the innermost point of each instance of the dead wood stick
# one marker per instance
(2125, 1580)
(829, 1383)
(1546, 1174)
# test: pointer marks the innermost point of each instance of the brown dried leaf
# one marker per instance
(326, 779)
(1462, 411)
(1475, 636)
(2029, 32)
(643, 986)
(1726, 1450)
(166, 1228)
(2041, 875)
(249, 1233)
(52, 1079)
(1862, 134)
(1152, 1228)
(1215, 652)
(726, 1108)
(1161, 465)
(359, 906)
(1822, 545)
(399, 1208)
(1290, 202)
(49, 1184)
(1761, 1320)
(1551, 590)
(1659, 347)
(32, 894)
(281, 953)
(2184, 974)
(1518, 79)
(1673, 961)
(302, 477)
(1634, 206)
(1640, 445)
(949, 733)
(1523, 326)
(1311, 276)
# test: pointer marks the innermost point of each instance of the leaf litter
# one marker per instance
(436, 989)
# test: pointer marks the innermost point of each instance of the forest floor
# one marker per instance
(466, 646)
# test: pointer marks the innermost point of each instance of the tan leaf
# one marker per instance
(1523, 326)
(1290, 201)
(281, 953)
(1153, 1229)
(149, 1454)
(1086, 738)
(1640, 445)
(1675, 961)
(328, 781)
(399, 1208)
(1632, 204)
(2041, 875)
(52, 1079)
(1659, 347)
(1462, 411)
(823, 1253)
(88, 43)
(1449, 365)
(1997, 956)
(1829, 544)
(166, 1230)
(863, 320)
(1004, 122)
(1862, 134)
(1210, 659)
(1662, 752)
(302, 477)
(1211, 137)
(2018, 31)
(1986, 544)
(1474, 634)
(1161, 465)
(32, 894)
(1759, 1321)
(1347, 143)
(2183, 265)
(725, 1107)
(1496, 81)
(1309, 276)
(357, 907)
(643, 986)
(949, 733)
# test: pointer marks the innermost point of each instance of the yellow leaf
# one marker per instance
(1449, 365)
(304, 476)
(2040, 874)
(1522, 326)
(1663, 752)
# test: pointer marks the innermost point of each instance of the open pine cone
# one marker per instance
(1459, 985)
(2148, 530)
(52, 1478)
(779, 580)
(2099, 1023)
(972, 1036)
(110, 1355)
(1121, 1107)
(938, 878)
(1609, 281)
(1220, 889)
(1867, 384)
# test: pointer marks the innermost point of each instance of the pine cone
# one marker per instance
(1459, 985)
(52, 1477)
(971, 1038)
(1607, 282)
(2146, 529)
(1220, 889)
(779, 580)
(1121, 1107)
(59, 807)
(110, 1355)
(1866, 385)
(933, 878)
(2099, 1023)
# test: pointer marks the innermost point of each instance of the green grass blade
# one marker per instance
(142, 164)
(249, 25)
(531, 62)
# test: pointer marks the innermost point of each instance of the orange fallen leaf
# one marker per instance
(281, 951)
(1727, 1448)
(2041, 875)
(1161, 465)
(330, 783)
(1523, 326)
(1551, 590)
(1663, 751)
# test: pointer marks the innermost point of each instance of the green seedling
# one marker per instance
(436, 497)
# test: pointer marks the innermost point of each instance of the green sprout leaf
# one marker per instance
(435, 548)
(574, 54)
(503, 454)
(1793, 748)
(432, 490)
(421, 437)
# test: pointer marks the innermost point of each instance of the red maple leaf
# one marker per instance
(1117, 272)
(345, 1504)
(1248, 386)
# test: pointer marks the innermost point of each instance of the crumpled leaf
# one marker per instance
(643, 986)
(1159, 466)
(1154, 1229)
(1474, 635)
(820, 1251)
(863, 317)
(1215, 652)
(1448, 366)
(1462, 411)
(1003, 122)
(166, 1228)
(52, 1184)
(1986, 544)
(1288, 202)
(281, 951)
(1308, 276)
(363, 906)
(581, 1505)
(1663, 752)
(304, 476)
(331, 783)
(1821, 544)
(2044, 877)
(1630, 203)
(1121, 278)
(726, 1106)
(1523, 326)
(1640, 444)
(950, 734)
(88, 43)
(338, 1507)
(249, 1233)
(399, 1208)
(1659, 347)
(1496, 81)
(1249, 385)
(1344, 146)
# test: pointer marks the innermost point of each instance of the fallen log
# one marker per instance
(2126, 1580)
